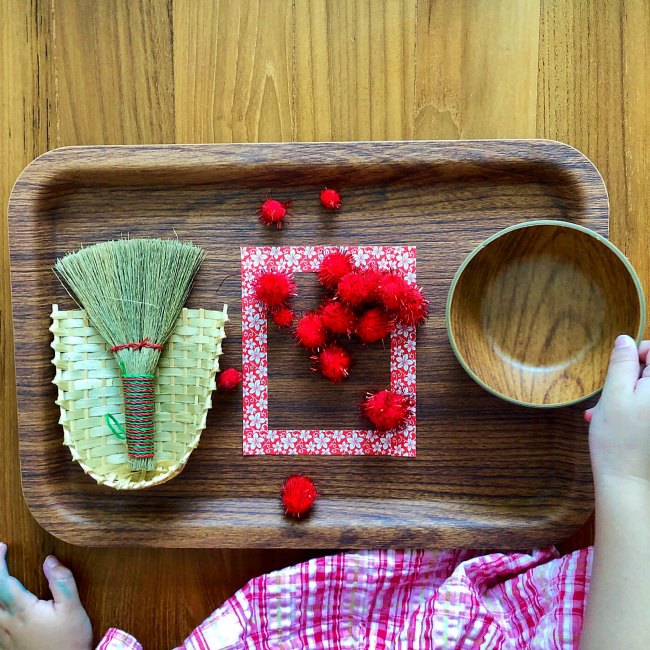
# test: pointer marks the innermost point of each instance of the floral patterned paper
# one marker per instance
(258, 438)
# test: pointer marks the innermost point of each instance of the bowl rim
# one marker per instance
(518, 226)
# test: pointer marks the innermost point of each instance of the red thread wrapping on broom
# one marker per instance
(139, 410)
(137, 346)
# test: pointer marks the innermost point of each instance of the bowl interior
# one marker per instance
(534, 313)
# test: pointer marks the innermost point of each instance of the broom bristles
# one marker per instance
(133, 291)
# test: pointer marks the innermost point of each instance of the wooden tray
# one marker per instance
(487, 473)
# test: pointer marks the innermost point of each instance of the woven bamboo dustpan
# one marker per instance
(89, 388)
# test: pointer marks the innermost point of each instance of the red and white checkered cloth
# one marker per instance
(402, 599)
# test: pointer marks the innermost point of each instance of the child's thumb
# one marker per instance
(61, 581)
(624, 367)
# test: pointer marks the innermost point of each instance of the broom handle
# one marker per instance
(139, 415)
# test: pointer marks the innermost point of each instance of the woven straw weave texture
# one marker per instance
(89, 387)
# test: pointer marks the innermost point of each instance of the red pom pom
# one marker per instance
(298, 495)
(274, 288)
(373, 278)
(333, 267)
(392, 291)
(229, 379)
(273, 212)
(357, 288)
(310, 331)
(330, 199)
(333, 362)
(283, 317)
(386, 409)
(414, 309)
(374, 325)
(337, 317)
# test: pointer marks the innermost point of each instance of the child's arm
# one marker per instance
(619, 440)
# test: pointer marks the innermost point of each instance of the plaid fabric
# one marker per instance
(405, 599)
(118, 640)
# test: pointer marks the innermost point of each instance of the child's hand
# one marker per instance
(27, 623)
(619, 433)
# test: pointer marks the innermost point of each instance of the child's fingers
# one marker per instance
(61, 581)
(589, 414)
(14, 598)
(643, 386)
(3, 560)
(644, 348)
(624, 368)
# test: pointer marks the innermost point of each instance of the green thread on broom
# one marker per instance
(116, 428)
(133, 291)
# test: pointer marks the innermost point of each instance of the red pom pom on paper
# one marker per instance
(393, 291)
(386, 409)
(333, 362)
(272, 212)
(374, 325)
(229, 379)
(337, 317)
(310, 331)
(283, 317)
(330, 199)
(373, 278)
(274, 289)
(298, 495)
(357, 288)
(333, 267)
(414, 309)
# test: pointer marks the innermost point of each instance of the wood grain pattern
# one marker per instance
(233, 71)
(533, 312)
(577, 69)
(115, 71)
(442, 197)
(457, 59)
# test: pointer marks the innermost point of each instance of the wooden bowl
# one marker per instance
(533, 312)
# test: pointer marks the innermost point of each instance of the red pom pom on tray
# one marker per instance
(283, 317)
(333, 362)
(357, 288)
(392, 290)
(298, 495)
(337, 317)
(374, 325)
(229, 379)
(310, 331)
(333, 267)
(373, 278)
(330, 199)
(274, 289)
(273, 212)
(414, 309)
(406, 301)
(386, 409)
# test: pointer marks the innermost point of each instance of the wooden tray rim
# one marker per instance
(405, 530)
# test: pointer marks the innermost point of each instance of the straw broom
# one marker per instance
(133, 291)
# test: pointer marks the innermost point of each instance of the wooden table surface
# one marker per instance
(159, 71)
